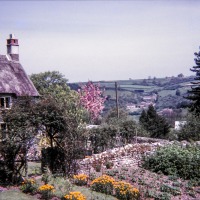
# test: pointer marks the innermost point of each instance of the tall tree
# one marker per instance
(190, 130)
(47, 82)
(111, 117)
(153, 123)
(194, 93)
(60, 116)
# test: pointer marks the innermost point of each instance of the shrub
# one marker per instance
(164, 196)
(98, 168)
(47, 176)
(175, 160)
(75, 196)
(53, 158)
(46, 191)
(190, 130)
(28, 186)
(126, 191)
(62, 186)
(170, 189)
(80, 179)
(103, 184)
(121, 176)
(109, 165)
(194, 182)
(112, 172)
(92, 176)
(124, 169)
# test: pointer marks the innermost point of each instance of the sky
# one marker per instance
(104, 40)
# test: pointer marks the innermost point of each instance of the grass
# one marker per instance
(136, 87)
(92, 195)
(34, 168)
(15, 195)
(164, 93)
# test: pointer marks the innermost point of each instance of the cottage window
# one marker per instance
(5, 102)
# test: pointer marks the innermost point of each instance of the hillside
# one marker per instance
(137, 94)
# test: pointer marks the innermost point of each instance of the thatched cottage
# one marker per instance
(14, 82)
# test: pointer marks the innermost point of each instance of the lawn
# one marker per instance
(15, 195)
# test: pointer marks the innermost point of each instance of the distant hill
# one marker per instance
(170, 91)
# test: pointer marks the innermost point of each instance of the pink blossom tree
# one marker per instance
(91, 98)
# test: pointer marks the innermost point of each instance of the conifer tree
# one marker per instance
(156, 125)
(143, 119)
(194, 93)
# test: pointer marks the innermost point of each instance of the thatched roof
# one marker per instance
(13, 78)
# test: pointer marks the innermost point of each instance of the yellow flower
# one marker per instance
(75, 196)
(124, 190)
(80, 179)
(28, 181)
(103, 184)
(46, 187)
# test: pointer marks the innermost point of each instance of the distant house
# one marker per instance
(151, 98)
(179, 124)
(139, 107)
(133, 108)
(14, 81)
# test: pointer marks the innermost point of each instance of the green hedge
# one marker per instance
(175, 160)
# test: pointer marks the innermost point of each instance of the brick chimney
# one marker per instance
(13, 47)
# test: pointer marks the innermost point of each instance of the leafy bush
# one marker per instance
(164, 196)
(46, 191)
(103, 184)
(75, 196)
(53, 158)
(61, 185)
(121, 176)
(124, 190)
(190, 131)
(177, 184)
(168, 188)
(175, 160)
(47, 176)
(29, 186)
(98, 167)
(92, 176)
(112, 172)
(80, 179)
(109, 165)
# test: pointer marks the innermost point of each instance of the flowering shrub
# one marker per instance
(46, 191)
(28, 186)
(80, 179)
(75, 196)
(103, 184)
(124, 190)
(91, 99)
